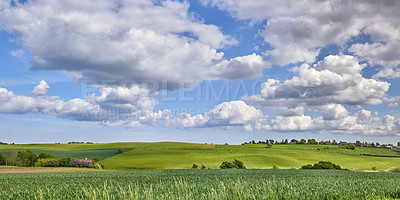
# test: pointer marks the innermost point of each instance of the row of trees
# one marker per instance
(313, 141)
(293, 141)
(22, 158)
(27, 158)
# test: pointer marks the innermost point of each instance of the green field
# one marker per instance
(169, 155)
(202, 184)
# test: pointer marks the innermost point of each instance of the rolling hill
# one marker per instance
(173, 155)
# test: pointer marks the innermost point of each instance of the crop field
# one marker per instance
(172, 155)
(202, 184)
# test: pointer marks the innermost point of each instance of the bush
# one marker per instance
(322, 165)
(52, 163)
(203, 167)
(227, 165)
(374, 168)
(275, 167)
(120, 150)
(41, 162)
(396, 170)
(99, 165)
(65, 162)
(194, 166)
(82, 163)
(235, 164)
(46, 155)
(96, 160)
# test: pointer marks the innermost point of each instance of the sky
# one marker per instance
(209, 71)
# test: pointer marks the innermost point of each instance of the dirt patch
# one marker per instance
(43, 170)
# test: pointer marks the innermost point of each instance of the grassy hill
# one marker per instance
(170, 155)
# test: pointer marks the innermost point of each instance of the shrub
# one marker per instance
(308, 166)
(275, 167)
(120, 150)
(99, 165)
(203, 167)
(239, 164)
(82, 163)
(46, 155)
(96, 160)
(41, 162)
(52, 163)
(322, 165)
(235, 164)
(374, 168)
(194, 166)
(396, 170)
(65, 162)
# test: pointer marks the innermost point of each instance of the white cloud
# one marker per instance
(137, 41)
(293, 123)
(299, 29)
(393, 105)
(112, 106)
(334, 111)
(232, 113)
(336, 79)
(19, 53)
(41, 89)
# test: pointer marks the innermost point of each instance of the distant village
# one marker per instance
(333, 142)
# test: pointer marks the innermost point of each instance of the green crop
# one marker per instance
(202, 184)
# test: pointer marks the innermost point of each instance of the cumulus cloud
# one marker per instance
(129, 40)
(232, 113)
(336, 79)
(113, 106)
(298, 30)
(335, 119)
(41, 89)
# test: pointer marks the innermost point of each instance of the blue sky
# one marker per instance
(211, 71)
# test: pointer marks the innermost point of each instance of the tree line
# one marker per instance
(26, 158)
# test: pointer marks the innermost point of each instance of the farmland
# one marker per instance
(170, 155)
(201, 184)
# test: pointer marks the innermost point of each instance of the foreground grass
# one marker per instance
(202, 184)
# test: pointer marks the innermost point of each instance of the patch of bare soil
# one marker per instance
(43, 170)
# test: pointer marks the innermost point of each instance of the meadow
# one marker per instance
(172, 155)
(202, 184)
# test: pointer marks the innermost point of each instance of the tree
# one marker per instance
(358, 143)
(96, 159)
(11, 157)
(302, 141)
(275, 167)
(120, 150)
(46, 155)
(2, 159)
(194, 166)
(271, 141)
(203, 166)
(286, 141)
(334, 142)
(27, 158)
